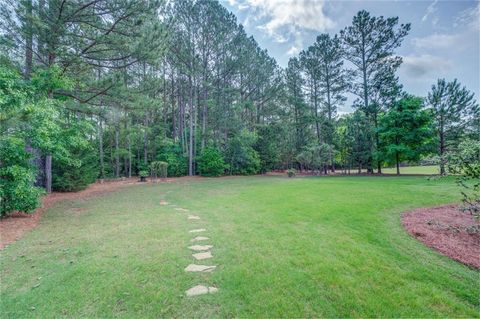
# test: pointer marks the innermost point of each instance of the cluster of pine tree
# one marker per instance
(388, 125)
(103, 88)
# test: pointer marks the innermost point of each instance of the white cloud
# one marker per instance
(431, 10)
(421, 66)
(436, 41)
(293, 51)
(281, 18)
(469, 17)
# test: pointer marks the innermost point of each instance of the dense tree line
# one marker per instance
(111, 88)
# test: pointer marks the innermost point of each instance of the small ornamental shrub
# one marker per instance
(159, 168)
(211, 163)
(163, 167)
(291, 172)
(143, 175)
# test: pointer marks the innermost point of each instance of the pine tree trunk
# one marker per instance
(48, 173)
(117, 157)
(377, 142)
(397, 159)
(331, 125)
(100, 146)
(315, 105)
(442, 145)
(204, 119)
(145, 140)
(129, 158)
(174, 115)
(190, 142)
(29, 40)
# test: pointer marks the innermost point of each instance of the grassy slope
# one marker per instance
(285, 247)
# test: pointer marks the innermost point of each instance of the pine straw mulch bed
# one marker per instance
(448, 230)
(14, 226)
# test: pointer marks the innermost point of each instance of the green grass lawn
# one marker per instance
(301, 247)
(427, 170)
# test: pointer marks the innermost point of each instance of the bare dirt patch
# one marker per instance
(447, 230)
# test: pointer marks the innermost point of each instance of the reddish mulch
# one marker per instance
(448, 230)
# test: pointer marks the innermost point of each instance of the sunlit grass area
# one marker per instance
(284, 247)
(427, 170)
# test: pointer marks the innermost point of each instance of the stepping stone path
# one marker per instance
(200, 290)
(197, 230)
(200, 247)
(203, 253)
(163, 203)
(202, 256)
(199, 268)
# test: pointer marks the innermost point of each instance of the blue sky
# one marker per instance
(443, 41)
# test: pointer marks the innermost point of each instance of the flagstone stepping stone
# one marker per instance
(162, 202)
(181, 209)
(197, 230)
(193, 217)
(200, 247)
(204, 255)
(200, 290)
(200, 238)
(199, 268)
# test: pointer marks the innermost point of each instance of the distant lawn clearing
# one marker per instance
(427, 170)
(301, 247)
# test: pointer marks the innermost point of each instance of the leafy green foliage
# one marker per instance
(315, 157)
(405, 131)
(358, 136)
(268, 143)
(17, 175)
(75, 176)
(242, 157)
(465, 163)
(80, 168)
(172, 153)
(211, 163)
(159, 168)
(13, 92)
(450, 103)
